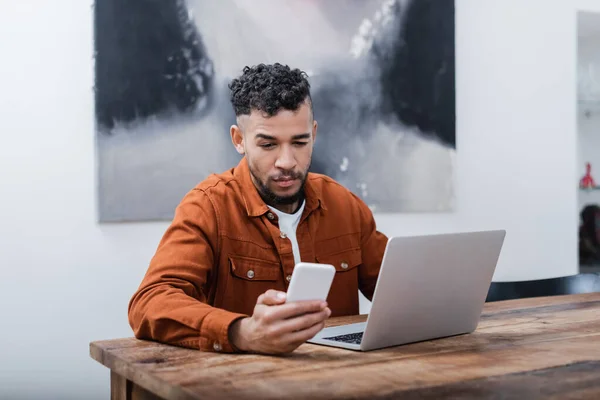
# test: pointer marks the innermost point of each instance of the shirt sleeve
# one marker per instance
(373, 245)
(170, 305)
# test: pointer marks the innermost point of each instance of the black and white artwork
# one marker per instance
(382, 80)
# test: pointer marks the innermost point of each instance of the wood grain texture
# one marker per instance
(139, 393)
(120, 388)
(542, 347)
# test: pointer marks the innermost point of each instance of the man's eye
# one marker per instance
(267, 145)
(301, 143)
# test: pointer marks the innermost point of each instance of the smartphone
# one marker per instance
(310, 281)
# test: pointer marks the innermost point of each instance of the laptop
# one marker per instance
(429, 287)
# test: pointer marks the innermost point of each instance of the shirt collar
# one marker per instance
(255, 205)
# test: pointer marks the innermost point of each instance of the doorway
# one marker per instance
(588, 137)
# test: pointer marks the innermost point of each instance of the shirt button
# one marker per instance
(288, 278)
(282, 235)
(270, 216)
(217, 346)
(250, 274)
(344, 265)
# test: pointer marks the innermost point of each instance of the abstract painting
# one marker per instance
(382, 81)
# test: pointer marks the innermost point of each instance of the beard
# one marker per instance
(271, 198)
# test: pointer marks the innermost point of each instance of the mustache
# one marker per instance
(287, 175)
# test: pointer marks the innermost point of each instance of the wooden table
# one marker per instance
(522, 349)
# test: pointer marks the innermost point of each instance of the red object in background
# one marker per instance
(587, 181)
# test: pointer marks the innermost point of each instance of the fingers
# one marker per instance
(280, 327)
(279, 331)
(294, 309)
(271, 298)
(303, 322)
(283, 340)
(297, 338)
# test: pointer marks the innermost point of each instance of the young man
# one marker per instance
(220, 273)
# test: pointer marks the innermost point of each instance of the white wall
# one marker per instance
(588, 117)
(66, 280)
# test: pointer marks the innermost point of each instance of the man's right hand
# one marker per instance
(277, 327)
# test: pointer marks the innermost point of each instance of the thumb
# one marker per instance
(272, 297)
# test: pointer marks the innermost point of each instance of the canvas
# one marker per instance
(382, 81)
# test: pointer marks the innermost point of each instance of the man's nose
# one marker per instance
(286, 159)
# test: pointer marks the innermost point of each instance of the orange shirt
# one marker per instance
(223, 249)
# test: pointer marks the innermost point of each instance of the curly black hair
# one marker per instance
(269, 89)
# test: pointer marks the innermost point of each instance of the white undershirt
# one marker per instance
(288, 223)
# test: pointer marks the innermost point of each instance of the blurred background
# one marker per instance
(527, 124)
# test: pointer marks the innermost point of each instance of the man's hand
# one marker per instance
(277, 327)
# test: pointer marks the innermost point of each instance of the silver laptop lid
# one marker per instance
(431, 286)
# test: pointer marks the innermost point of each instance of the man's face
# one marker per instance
(279, 151)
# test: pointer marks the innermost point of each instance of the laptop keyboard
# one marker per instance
(354, 338)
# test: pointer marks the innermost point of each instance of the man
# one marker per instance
(220, 273)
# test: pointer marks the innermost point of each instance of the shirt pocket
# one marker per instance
(343, 261)
(252, 269)
(247, 279)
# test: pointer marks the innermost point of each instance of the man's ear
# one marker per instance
(314, 130)
(237, 138)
